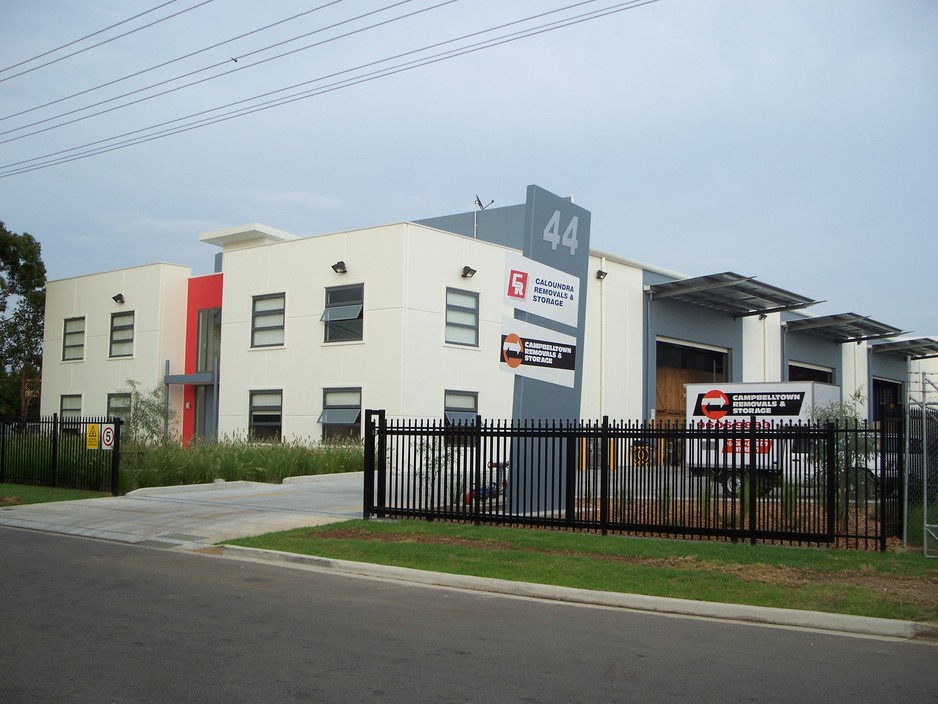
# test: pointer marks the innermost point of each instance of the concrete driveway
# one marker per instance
(202, 514)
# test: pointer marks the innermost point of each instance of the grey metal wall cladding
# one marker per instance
(650, 278)
(889, 366)
(813, 349)
(693, 323)
(503, 226)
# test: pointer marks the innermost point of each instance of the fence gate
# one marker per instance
(921, 499)
(743, 481)
(69, 452)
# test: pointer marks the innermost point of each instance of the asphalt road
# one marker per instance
(85, 620)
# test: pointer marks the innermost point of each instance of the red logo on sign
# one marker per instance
(517, 283)
(513, 350)
(715, 404)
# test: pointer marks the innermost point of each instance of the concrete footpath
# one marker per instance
(196, 518)
(198, 515)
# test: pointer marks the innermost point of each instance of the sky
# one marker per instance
(793, 141)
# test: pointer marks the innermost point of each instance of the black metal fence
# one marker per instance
(753, 481)
(72, 453)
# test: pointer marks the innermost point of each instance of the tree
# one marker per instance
(145, 425)
(22, 304)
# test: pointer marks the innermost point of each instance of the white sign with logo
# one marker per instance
(538, 353)
(541, 290)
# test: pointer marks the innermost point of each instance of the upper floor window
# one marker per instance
(208, 340)
(267, 320)
(73, 339)
(265, 416)
(122, 334)
(344, 314)
(462, 317)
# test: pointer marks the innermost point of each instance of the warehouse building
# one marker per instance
(503, 312)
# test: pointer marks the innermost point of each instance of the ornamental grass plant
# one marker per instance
(169, 464)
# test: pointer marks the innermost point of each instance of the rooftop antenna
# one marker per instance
(475, 213)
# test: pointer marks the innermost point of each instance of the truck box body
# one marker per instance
(721, 406)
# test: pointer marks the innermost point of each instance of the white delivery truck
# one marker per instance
(721, 410)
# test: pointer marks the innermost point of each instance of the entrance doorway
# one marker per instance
(677, 365)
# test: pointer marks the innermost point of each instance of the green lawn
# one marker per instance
(888, 585)
(16, 494)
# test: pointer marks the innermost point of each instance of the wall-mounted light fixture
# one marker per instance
(119, 298)
(339, 267)
(600, 274)
(468, 272)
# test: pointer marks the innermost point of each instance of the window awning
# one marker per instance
(844, 327)
(461, 418)
(339, 416)
(341, 313)
(919, 348)
(731, 293)
(196, 379)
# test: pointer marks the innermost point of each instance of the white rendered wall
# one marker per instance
(856, 375)
(402, 364)
(762, 345)
(614, 342)
(157, 296)
(434, 261)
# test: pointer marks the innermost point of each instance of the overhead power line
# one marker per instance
(61, 157)
(87, 36)
(102, 43)
(170, 62)
(223, 73)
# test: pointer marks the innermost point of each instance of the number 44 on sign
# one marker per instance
(567, 239)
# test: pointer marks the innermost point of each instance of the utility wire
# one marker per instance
(87, 36)
(166, 63)
(345, 83)
(106, 41)
(218, 75)
(12, 170)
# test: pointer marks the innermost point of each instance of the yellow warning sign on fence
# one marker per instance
(92, 437)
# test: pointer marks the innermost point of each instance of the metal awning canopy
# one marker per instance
(919, 348)
(731, 293)
(844, 327)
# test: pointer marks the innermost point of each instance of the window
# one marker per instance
(810, 372)
(122, 334)
(118, 406)
(267, 320)
(462, 317)
(343, 316)
(460, 406)
(265, 417)
(460, 409)
(70, 412)
(73, 339)
(70, 406)
(341, 415)
(208, 339)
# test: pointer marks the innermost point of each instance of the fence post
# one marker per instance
(604, 476)
(55, 449)
(831, 479)
(752, 479)
(3, 452)
(116, 458)
(570, 466)
(368, 489)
